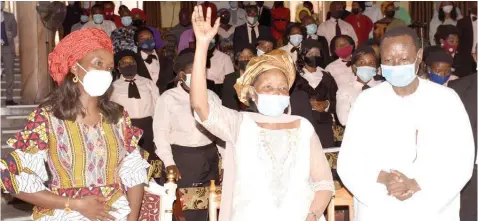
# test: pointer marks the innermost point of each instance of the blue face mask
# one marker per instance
(366, 73)
(296, 39)
(400, 75)
(147, 45)
(84, 18)
(98, 18)
(126, 20)
(311, 29)
(438, 78)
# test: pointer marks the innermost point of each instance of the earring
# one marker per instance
(75, 79)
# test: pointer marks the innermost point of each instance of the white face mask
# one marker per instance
(296, 39)
(188, 80)
(272, 105)
(260, 52)
(96, 82)
(448, 8)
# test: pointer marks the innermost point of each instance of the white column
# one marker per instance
(293, 5)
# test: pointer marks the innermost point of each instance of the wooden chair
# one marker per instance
(342, 198)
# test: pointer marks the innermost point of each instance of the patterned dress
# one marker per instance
(82, 160)
(123, 39)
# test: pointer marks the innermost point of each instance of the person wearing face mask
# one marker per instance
(79, 126)
(439, 64)
(138, 96)
(341, 48)
(229, 96)
(249, 32)
(265, 145)
(280, 21)
(8, 31)
(150, 64)
(335, 26)
(406, 178)
(218, 65)
(83, 20)
(182, 144)
(226, 33)
(361, 23)
(372, 11)
(365, 63)
(110, 13)
(73, 13)
(390, 21)
(448, 37)
(320, 87)
(264, 45)
(294, 34)
(446, 16)
(98, 15)
(238, 15)
(139, 21)
(123, 37)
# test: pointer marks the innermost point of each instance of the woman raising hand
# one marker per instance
(282, 172)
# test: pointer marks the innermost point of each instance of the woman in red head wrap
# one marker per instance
(280, 20)
(95, 167)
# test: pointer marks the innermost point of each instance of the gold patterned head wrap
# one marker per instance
(276, 59)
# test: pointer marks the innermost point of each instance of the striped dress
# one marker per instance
(82, 160)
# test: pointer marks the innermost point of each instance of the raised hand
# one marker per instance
(202, 26)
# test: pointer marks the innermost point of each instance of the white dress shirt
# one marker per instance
(287, 49)
(347, 95)
(174, 123)
(154, 67)
(373, 12)
(342, 74)
(327, 29)
(434, 23)
(107, 26)
(314, 78)
(409, 134)
(249, 31)
(137, 108)
(221, 65)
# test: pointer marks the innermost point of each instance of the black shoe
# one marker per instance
(10, 103)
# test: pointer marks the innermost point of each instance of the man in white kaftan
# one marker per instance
(412, 126)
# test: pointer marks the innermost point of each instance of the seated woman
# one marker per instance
(365, 63)
(264, 45)
(226, 33)
(341, 48)
(320, 87)
(439, 64)
(95, 169)
(229, 96)
(275, 168)
(182, 144)
(447, 15)
(138, 95)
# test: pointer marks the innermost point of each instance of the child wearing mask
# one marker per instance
(294, 35)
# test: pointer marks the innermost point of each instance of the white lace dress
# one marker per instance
(275, 172)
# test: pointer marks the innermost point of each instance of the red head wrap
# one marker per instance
(137, 11)
(74, 47)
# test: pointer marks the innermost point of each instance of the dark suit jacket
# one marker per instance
(266, 17)
(465, 33)
(466, 88)
(166, 75)
(241, 36)
(229, 96)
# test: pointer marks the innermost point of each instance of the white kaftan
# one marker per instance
(275, 173)
(426, 136)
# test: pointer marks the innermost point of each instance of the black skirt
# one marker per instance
(146, 142)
